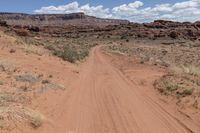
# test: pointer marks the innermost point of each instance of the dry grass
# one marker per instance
(182, 62)
(171, 85)
(69, 49)
(6, 66)
(28, 47)
(19, 115)
(13, 111)
(27, 78)
(6, 38)
(191, 69)
(32, 117)
(182, 82)
(33, 49)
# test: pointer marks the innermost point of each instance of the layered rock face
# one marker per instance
(63, 24)
(159, 29)
(56, 19)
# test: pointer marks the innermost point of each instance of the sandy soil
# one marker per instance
(100, 98)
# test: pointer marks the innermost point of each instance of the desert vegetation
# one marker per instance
(14, 108)
(181, 59)
(16, 93)
(18, 88)
(69, 49)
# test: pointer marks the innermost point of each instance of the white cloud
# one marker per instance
(162, 8)
(98, 11)
(186, 4)
(127, 10)
(69, 8)
(188, 10)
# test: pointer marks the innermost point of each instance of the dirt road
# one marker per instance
(101, 99)
(105, 101)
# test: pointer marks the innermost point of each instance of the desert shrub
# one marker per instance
(181, 70)
(70, 54)
(8, 98)
(83, 53)
(6, 66)
(36, 122)
(27, 78)
(69, 50)
(171, 87)
(186, 92)
(33, 118)
(165, 86)
(177, 84)
(51, 86)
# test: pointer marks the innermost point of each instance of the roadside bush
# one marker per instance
(70, 55)
(171, 87)
(186, 92)
(83, 54)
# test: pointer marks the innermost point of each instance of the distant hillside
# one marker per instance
(77, 23)
(56, 19)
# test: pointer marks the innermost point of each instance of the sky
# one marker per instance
(133, 10)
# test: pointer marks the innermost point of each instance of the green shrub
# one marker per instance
(186, 92)
(171, 87)
(83, 53)
(70, 55)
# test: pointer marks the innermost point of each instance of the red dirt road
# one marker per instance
(102, 99)
(105, 101)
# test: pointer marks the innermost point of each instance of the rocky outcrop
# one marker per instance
(56, 19)
(65, 24)
(159, 29)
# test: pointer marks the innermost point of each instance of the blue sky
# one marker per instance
(133, 10)
(30, 5)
